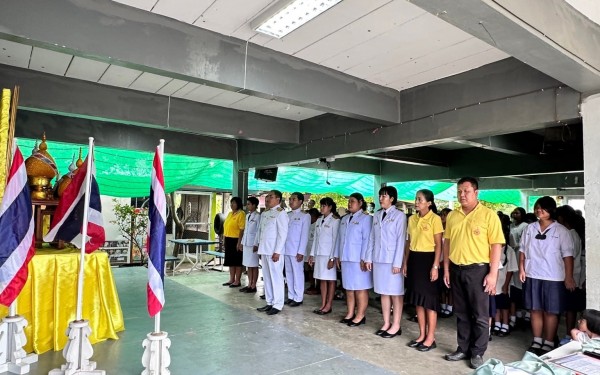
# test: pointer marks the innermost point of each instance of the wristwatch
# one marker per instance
(436, 267)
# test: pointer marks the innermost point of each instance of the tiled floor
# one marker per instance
(217, 330)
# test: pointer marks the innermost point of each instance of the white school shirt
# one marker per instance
(326, 233)
(354, 236)
(544, 258)
(272, 231)
(511, 266)
(298, 228)
(516, 233)
(578, 260)
(252, 224)
(388, 238)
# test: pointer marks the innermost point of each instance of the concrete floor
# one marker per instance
(217, 330)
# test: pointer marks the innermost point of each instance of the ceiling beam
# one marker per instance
(110, 32)
(78, 130)
(549, 35)
(76, 98)
(424, 156)
(524, 143)
(499, 98)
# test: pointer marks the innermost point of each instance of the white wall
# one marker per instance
(112, 231)
(590, 8)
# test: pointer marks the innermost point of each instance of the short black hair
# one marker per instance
(278, 194)
(592, 319)
(391, 192)
(238, 202)
(472, 180)
(298, 195)
(314, 212)
(252, 200)
(359, 197)
(547, 204)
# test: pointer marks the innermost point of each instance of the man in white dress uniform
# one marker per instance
(270, 242)
(295, 249)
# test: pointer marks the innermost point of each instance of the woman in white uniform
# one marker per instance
(322, 253)
(384, 257)
(350, 251)
(250, 258)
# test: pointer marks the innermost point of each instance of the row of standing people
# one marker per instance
(379, 251)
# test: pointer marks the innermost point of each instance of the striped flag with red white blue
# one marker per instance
(67, 222)
(157, 237)
(16, 232)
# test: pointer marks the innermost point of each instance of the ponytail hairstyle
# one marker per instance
(428, 195)
(359, 197)
(329, 202)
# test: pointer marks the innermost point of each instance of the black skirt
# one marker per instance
(233, 257)
(420, 290)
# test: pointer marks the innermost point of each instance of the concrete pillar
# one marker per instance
(590, 111)
(239, 187)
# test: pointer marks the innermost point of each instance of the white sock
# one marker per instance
(497, 325)
(519, 314)
(444, 306)
(538, 340)
(505, 326)
(449, 308)
(549, 343)
(489, 330)
(513, 319)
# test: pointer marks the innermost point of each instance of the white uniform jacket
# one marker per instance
(272, 231)
(252, 224)
(353, 239)
(388, 238)
(326, 233)
(298, 231)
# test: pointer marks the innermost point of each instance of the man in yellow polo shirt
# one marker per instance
(472, 248)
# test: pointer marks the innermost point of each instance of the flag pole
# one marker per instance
(161, 152)
(86, 208)
(78, 350)
(12, 309)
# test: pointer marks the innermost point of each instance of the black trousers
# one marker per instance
(471, 307)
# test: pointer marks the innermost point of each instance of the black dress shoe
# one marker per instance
(263, 297)
(250, 290)
(242, 290)
(388, 335)
(265, 308)
(295, 304)
(235, 285)
(414, 343)
(273, 311)
(380, 332)
(356, 324)
(321, 312)
(425, 348)
(288, 301)
(456, 356)
(227, 284)
(346, 320)
(476, 361)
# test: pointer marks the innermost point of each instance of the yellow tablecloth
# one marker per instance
(49, 299)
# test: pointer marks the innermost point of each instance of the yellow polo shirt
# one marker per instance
(472, 235)
(421, 231)
(234, 224)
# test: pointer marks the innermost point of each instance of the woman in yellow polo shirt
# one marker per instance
(421, 267)
(233, 231)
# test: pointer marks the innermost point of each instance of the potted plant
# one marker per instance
(133, 224)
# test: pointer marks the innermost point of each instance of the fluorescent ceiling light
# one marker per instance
(286, 16)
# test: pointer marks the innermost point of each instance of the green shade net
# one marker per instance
(126, 173)
(308, 180)
(446, 191)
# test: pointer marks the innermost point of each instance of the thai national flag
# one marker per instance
(157, 234)
(67, 223)
(16, 232)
